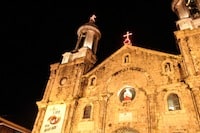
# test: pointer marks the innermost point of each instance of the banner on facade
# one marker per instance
(53, 119)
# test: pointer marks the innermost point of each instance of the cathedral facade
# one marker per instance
(135, 90)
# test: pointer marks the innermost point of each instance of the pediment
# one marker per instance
(137, 56)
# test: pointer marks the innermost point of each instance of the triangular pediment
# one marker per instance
(135, 52)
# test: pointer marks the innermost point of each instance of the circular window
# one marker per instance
(63, 81)
(127, 94)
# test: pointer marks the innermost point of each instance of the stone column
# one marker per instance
(103, 111)
(69, 116)
(195, 92)
(50, 82)
(184, 48)
(151, 103)
(39, 118)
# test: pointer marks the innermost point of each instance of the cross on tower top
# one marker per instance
(92, 18)
(127, 39)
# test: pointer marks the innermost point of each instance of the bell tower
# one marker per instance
(57, 107)
(188, 41)
(188, 33)
(87, 43)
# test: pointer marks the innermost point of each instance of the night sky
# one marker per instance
(37, 33)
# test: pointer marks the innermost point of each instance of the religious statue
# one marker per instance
(127, 95)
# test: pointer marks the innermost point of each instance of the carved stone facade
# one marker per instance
(135, 90)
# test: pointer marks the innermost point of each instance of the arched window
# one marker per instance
(126, 58)
(92, 81)
(173, 102)
(82, 39)
(167, 67)
(94, 45)
(87, 111)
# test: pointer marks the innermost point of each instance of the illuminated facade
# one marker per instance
(135, 90)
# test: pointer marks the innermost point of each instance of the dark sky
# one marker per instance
(37, 33)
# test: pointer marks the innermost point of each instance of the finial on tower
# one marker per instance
(92, 18)
(127, 39)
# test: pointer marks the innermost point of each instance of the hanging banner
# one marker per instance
(53, 119)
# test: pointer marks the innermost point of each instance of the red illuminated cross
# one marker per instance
(127, 39)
